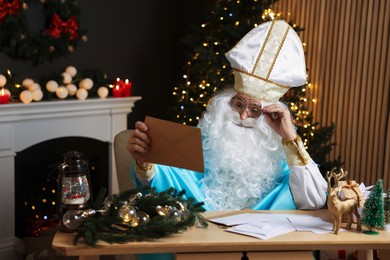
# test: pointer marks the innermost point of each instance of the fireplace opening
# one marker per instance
(36, 173)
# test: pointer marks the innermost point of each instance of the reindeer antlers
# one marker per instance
(336, 176)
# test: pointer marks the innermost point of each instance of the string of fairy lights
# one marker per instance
(301, 115)
(193, 95)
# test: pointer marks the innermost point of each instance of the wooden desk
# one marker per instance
(225, 245)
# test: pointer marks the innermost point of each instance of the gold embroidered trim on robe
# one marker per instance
(145, 174)
(295, 152)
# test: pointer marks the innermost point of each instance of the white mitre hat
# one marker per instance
(268, 61)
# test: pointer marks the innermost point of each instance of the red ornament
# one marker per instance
(9, 8)
(69, 27)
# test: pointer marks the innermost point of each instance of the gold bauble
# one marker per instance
(128, 214)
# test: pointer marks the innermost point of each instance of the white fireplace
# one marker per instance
(24, 125)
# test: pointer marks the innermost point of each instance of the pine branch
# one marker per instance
(109, 227)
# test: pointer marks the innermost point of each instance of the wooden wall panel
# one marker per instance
(348, 60)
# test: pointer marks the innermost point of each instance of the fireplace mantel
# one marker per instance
(24, 125)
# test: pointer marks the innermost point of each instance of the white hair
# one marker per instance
(242, 162)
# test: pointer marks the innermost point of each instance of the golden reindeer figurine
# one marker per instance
(342, 201)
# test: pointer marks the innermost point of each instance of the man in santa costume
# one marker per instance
(252, 154)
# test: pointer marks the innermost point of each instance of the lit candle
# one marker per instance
(119, 82)
(127, 88)
(4, 97)
(117, 91)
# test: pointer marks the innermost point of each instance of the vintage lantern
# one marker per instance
(74, 192)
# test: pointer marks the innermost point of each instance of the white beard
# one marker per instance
(242, 162)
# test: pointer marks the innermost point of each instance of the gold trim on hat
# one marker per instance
(261, 78)
(253, 86)
(270, 50)
(263, 47)
(277, 53)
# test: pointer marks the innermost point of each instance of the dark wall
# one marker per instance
(134, 39)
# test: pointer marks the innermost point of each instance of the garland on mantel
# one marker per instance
(69, 83)
(59, 37)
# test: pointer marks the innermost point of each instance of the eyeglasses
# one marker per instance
(239, 104)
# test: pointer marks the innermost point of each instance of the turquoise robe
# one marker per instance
(280, 198)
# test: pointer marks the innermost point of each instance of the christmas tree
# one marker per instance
(207, 70)
(373, 215)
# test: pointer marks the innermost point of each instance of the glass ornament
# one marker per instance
(108, 202)
(72, 219)
(134, 222)
(184, 210)
(136, 196)
(185, 213)
(143, 218)
(181, 206)
(162, 211)
(170, 211)
(127, 213)
(177, 215)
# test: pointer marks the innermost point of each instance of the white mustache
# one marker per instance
(248, 122)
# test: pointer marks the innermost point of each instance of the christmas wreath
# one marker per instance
(59, 37)
(134, 215)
